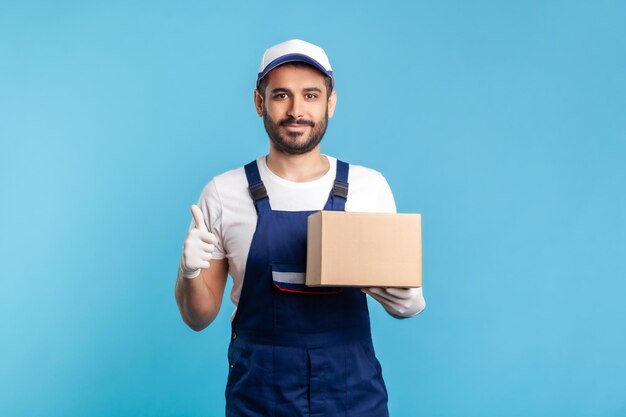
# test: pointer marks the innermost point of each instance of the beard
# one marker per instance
(290, 144)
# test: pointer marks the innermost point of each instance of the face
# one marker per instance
(296, 108)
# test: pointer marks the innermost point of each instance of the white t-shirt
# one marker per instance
(229, 211)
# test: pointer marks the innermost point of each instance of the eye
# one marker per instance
(310, 96)
(280, 96)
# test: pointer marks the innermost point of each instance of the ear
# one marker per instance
(258, 102)
(332, 102)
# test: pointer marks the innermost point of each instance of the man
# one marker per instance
(294, 350)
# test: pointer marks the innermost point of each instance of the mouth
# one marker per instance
(295, 127)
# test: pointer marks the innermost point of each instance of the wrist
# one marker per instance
(186, 273)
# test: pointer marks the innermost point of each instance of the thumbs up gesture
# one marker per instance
(199, 246)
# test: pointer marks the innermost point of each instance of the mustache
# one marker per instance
(291, 121)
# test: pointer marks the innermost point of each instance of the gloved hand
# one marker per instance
(198, 248)
(399, 302)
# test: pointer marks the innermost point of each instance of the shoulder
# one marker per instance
(225, 183)
(233, 178)
(229, 192)
(369, 191)
(223, 191)
(359, 173)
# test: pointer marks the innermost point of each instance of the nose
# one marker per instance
(296, 110)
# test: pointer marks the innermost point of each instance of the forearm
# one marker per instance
(197, 304)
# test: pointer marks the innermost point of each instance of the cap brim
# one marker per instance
(293, 58)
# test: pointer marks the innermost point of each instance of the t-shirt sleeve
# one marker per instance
(211, 207)
(385, 200)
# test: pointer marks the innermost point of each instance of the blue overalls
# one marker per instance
(295, 350)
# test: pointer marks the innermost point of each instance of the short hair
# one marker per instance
(298, 64)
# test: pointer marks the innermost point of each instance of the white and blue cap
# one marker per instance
(295, 50)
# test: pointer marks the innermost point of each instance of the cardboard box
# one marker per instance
(364, 249)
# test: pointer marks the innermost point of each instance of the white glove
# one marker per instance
(199, 246)
(399, 302)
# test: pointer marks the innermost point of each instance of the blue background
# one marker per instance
(503, 123)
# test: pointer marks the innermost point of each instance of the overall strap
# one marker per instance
(256, 188)
(339, 193)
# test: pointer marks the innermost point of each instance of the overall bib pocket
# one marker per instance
(292, 277)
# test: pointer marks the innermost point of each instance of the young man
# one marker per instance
(295, 350)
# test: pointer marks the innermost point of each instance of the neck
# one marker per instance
(298, 168)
